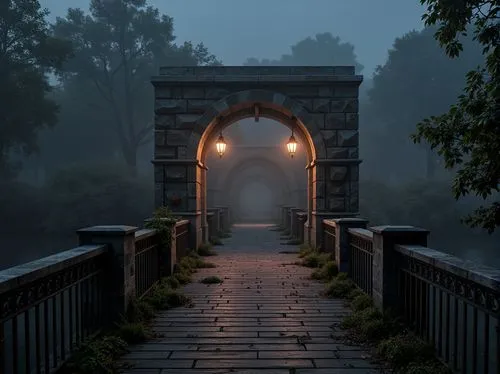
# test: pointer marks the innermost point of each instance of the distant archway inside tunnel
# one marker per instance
(253, 202)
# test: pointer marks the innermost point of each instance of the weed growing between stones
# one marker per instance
(406, 353)
(327, 272)
(211, 280)
(205, 249)
(215, 240)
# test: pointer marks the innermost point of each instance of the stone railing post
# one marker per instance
(385, 271)
(341, 245)
(121, 245)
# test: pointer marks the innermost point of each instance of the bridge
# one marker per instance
(256, 308)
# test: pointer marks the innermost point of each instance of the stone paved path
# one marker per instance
(266, 317)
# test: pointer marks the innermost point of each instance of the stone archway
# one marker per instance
(193, 104)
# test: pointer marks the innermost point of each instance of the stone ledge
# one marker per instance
(484, 275)
(161, 80)
(364, 233)
(159, 161)
(261, 70)
(20, 275)
(108, 230)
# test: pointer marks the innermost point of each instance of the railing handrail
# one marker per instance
(182, 222)
(20, 275)
(362, 233)
(144, 233)
(483, 275)
(329, 222)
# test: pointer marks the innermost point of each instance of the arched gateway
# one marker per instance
(193, 104)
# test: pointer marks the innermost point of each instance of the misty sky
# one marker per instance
(236, 29)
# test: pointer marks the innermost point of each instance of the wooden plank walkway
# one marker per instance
(267, 318)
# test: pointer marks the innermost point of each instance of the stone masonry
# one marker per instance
(192, 104)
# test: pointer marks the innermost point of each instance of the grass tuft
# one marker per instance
(205, 250)
(211, 280)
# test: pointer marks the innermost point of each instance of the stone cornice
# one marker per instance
(303, 80)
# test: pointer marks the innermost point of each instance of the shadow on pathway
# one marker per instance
(267, 317)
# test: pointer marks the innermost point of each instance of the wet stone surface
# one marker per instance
(267, 317)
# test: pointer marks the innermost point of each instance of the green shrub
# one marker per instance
(402, 349)
(429, 367)
(171, 281)
(139, 310)
(206, 265)
(182, 276)
(361, 302)
(316, 259)
(97, 356)
(342, 276)
(304, 250)
(368, 324)
(133, 332)
(165, 298)
(205, 249)
(328, 271)
(339, 287)
(211, 280)
(354, 293)
(214, 240)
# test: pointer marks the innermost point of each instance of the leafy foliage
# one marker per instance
(323, 49)
(418, 80)
(468, 135)
(27, 53)
(118, 47)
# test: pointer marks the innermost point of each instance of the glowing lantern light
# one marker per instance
(221, 145)
(291, 145)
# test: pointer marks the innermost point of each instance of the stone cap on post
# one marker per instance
(402, 234)
(108, 230)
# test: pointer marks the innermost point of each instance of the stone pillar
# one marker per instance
(342, 239)
(294, 231)
(334, 190)
(215, 221)
(179, 186)
(121, 245)
(385, 275)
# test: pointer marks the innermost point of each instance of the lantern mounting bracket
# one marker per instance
(256, 110)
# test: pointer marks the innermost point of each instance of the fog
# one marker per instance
(81, 173)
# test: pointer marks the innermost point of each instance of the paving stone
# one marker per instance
(265, 318)
(254, 364)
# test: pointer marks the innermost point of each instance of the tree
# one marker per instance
(468, 135)
(118, 47)
(28, 52)
(323, 49)
(417, 80)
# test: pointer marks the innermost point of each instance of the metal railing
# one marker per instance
(182, 238)
(452, 304)
(329, 235)
(147, 261)
(361, 258)
(49, 307)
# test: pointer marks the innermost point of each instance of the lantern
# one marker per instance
(220, 145)
(291, 145)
